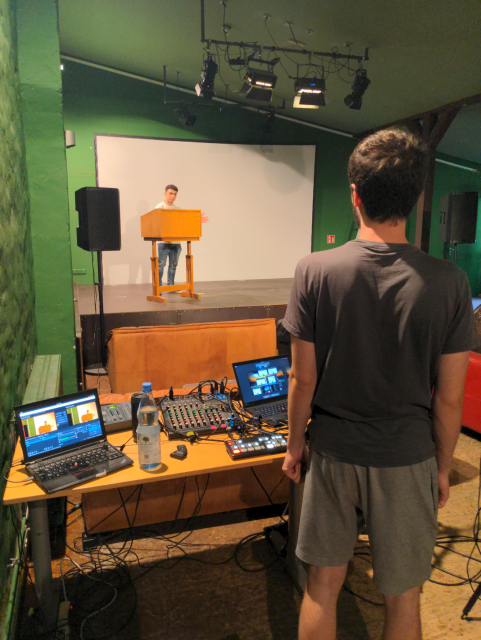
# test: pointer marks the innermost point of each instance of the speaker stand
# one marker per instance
(100, 368)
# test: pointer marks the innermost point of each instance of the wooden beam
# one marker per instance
(458, 104)
(424, 209)
(415, 127)
(442, 125)
(425, 202)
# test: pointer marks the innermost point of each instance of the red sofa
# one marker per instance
(472, 394)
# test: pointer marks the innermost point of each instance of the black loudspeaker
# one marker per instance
(99, 219)
(459, 215)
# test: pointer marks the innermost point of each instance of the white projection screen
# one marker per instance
(259, 200)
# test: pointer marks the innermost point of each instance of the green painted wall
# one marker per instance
(40, 82)
(17, 313)
(98, 101)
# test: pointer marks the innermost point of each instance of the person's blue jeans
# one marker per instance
(172, 251)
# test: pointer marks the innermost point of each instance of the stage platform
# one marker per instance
(127, 306)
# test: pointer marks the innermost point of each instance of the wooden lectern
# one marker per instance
(171, 225)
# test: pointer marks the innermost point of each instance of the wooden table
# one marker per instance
(205, 457)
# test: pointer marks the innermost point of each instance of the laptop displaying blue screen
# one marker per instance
(52, 426)
(263, 380)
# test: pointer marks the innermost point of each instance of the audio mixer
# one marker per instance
(184, 415)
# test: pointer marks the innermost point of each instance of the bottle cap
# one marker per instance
(147, 387)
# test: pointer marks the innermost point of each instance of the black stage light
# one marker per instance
(359, 86)
(205, 88)
(187, 118)
(258, 85)
(309, 93)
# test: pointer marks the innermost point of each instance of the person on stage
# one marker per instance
(170, 250)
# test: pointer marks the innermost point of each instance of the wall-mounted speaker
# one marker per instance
(459, 215)
(99, 219)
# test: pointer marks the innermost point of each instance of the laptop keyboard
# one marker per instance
(270, 409)
(75, 461)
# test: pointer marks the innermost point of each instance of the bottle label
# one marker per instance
(149, 449)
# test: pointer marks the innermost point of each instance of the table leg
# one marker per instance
(42, 563)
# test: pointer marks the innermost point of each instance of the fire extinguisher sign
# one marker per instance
(331, 239)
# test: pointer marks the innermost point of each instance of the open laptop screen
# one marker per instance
(263, 380)
(51, 426)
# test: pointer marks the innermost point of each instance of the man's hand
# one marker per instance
(294, 464)
(205, 218)
(302, 383)
(447, 411)
(443, 480)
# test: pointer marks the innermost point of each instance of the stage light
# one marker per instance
(259, 78)
(258, 85)
(205, 88)
(309, 93)
(359, 86)
(186, 117)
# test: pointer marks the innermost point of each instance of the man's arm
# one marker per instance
(302, 384)
(447, 410)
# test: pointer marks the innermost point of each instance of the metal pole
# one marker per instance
(42, 563)
(103, 359)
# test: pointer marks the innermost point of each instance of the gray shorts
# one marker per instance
(398, 504)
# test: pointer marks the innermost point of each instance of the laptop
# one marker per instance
(64, 441)
(263, 386)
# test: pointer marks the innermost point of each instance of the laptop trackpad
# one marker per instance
(84, 474)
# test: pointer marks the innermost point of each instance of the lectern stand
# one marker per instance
(172, 225)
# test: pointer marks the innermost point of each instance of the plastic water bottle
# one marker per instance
(148, 430)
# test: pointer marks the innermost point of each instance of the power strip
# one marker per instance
(63, 629)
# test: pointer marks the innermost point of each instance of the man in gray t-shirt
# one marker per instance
(381, 334)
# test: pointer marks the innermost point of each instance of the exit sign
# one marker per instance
(331, 239)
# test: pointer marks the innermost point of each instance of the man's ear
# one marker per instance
(356, 200)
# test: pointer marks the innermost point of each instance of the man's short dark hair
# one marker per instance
(389, 170)
(171, 186)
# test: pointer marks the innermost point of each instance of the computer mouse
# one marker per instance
(182, 447)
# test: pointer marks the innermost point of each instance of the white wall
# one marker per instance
(259, 200)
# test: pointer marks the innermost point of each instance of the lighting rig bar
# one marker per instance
(322, 54)
(257, 47)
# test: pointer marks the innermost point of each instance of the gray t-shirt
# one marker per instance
(380, 316)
